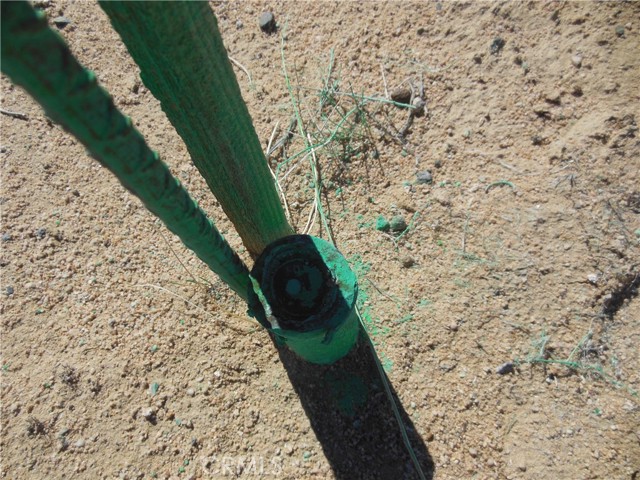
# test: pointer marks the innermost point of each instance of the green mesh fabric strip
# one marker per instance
(184, 64)
(37, 59)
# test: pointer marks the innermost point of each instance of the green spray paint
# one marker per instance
(184, 64)
(37, 59)
(308, 294)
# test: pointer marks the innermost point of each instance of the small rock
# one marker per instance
(148, 414)
(41, 233)
(620, 31)
(537, 140)
(477, 58)
(398, 224)
(239, 24)
(453, 326)
(80, 443)
(61, 21)
(497, 45)
(424, 177)
(407, 262)
(505, 368)
(288, 449)
(593, 278)
(6, 237)
(10, 290)
(420, 31)
(473, 452)
(553, 97)
(418, 106)
(382, 224)
(447, 366)
(401, 95)
(267, 22)
(191, 392)
(576, 60)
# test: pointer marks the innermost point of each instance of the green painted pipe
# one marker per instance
(308, 294)
(184, 64)
(37, 59)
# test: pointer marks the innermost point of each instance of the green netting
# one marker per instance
(37, 59)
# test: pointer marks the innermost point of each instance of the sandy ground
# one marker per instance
(118, 361)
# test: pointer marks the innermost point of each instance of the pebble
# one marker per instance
(447, 366)
(576, 60)
(398, 224)
(148, 413)
(424, 177)
(41, 233)
(401, 95)
(505, 368)
(239, 24)
(497, 45)
(620, 31)
(61, 21)
(191, 392)
(10, 290)
(418, 106)
(553, 97)
(267, 22)
(473, 452)
(80, 443)
(6, 237)
(593, 278)
(407, 262)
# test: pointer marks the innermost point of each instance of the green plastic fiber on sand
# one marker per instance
(184, 63)
(37, 59)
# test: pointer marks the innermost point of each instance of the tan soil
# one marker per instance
(101, 310)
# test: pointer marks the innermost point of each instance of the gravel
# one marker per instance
(507, 367)
(424, 177)
(267, 22)
(398, 224)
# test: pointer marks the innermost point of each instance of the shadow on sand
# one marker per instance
(353, 419)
